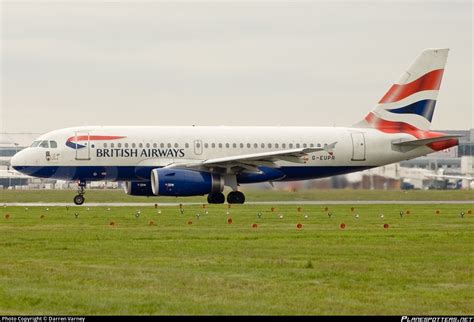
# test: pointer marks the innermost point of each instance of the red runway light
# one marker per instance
(385, 226)
(342, 226)
(299, 226)
(229, 221)
(254, 225)
(190, 222)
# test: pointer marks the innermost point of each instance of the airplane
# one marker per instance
(202, 160)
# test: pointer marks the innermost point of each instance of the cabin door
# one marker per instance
(358, 146)
(82, 143)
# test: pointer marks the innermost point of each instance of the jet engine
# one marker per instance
(138, 188)
(181, 182)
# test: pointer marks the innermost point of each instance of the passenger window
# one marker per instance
(269, 145)
(262, 145)
(155, 145)
(176, 145)
(255, 145)
(119, 145)
(105, 145)
(248, 145)
(298, 145)
(290, 145)
(220, 145)
(162, 145)
(227, 145)
(311, 145)
(241, 145)
(234, 145)
(206, 145)
(140, 145)
(53, 144)
(133, 145)
(112, 145)
(169, 145)
(148, 145)
(319, 145)
(276, 145)
(126, 145)
(186, 145)
(213, 145)
(283, 145)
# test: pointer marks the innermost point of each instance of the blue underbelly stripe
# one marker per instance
(127, 173)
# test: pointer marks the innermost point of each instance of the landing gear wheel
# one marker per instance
(235, 197)
(79, 199)
(217, 197)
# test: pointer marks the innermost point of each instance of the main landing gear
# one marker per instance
(233, 197)
(215, 197)
(79, 198)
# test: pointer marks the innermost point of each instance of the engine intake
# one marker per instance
(138, 188)
(179, 182)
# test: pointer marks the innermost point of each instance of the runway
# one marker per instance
(302, 202)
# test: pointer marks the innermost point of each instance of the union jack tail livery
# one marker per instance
(409, 104)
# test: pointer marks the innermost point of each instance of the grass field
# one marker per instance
(112, 262)
(251, 195)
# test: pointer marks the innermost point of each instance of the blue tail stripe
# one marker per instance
(423, 108)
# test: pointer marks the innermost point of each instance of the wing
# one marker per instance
(251, 162)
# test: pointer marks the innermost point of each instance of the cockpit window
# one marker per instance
(35, 144)
(44, 144)
(53, 144)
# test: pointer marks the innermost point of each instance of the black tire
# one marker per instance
(236, 197)
(216, 197)
(79, 199)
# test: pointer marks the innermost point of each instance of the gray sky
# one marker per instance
(234, 63)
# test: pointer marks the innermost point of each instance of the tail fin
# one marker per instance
(409, 104)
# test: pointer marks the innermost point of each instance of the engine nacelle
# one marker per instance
(138, 188)
(179, 182)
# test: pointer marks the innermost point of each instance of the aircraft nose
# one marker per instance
(18, 160)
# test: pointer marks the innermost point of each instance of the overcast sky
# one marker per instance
(234, 63)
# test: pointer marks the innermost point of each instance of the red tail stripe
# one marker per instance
(401, 127)
(429, 81)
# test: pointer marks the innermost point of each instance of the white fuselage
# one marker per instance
(131, 152)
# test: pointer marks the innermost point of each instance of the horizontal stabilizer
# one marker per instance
(420, 142)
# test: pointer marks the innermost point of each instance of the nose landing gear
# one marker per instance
(79, 198)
